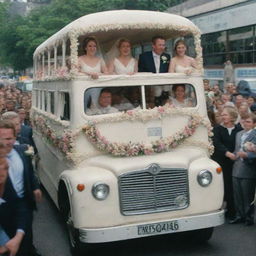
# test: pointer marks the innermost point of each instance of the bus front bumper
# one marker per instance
(124, 232)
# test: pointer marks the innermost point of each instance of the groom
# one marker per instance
(155, 61)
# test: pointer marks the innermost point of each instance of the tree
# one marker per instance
(19, 36)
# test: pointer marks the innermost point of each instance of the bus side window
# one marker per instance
(37, 98)
(65, 107)
(52, 102)
(45, 101)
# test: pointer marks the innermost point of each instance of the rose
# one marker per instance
(160, 109)
(249, 146)
(30, 151)
(164, 59)
(129, 112)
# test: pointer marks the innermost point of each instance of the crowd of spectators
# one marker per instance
(232, 115)
(217, 99)
(230, 112)
(19, 188)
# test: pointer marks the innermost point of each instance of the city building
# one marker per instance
(228, 33)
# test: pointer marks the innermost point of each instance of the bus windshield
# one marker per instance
(115, 99)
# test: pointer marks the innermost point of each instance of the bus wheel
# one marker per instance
(73, 233)
(77, 248)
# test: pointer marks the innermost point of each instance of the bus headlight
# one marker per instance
(100, 191)
(204, 178)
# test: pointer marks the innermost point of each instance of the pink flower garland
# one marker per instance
(63, 142)
(135, 149)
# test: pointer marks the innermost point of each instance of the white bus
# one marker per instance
(131, 174)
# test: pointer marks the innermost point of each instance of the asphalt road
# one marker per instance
(50, 238)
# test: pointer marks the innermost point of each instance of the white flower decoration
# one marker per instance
(164, 59)
(30, 151)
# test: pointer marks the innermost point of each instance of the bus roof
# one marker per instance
(138, 26)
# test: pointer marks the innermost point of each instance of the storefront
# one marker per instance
(229, 33)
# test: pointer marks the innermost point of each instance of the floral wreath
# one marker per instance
(157, 146)
(64, 142)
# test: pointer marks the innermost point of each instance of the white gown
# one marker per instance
(92, 93)
(88, 69)
(188, 102)
(182, 69)
(120, 68)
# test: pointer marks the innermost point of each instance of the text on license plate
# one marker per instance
(158, 228)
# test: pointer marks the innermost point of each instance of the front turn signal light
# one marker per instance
(80, 187)
(219, 170)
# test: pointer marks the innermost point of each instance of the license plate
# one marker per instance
(158, 228)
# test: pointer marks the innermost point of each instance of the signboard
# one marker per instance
(241, 73)
(214, 73)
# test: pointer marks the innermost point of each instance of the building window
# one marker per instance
(238, 45)
(241, 45)
(214, 48)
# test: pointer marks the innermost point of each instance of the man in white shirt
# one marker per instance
(22, 177)
(155, 61)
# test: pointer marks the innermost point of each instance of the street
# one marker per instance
(50, 238)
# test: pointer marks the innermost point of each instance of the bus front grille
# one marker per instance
(153, 190)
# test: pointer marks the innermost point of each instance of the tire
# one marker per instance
(76, 247)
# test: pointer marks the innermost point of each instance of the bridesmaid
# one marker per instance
(181, 63)
(123, 63)
(90, 63)
(224, 136)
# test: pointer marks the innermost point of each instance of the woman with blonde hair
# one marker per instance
(181, 63)
(224, 136)
(121, 60)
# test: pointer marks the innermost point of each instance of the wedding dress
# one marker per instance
(182, 69)
(186, 103)
(88, 69)
(120, 68)
(92, 94)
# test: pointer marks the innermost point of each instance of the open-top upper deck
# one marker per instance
(57, 57)
(108, 26)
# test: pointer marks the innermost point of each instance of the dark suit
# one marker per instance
(23, 140)
(224, 142)
(30, 184)
(13, 215)
(244, 179)
(26, 136)
(146, 63)
(12, 212)
(30, 181)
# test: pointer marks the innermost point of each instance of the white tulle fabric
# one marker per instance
(113, 52)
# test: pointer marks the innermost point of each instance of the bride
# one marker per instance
(90, 63)
(121, 61)
(181, 63)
